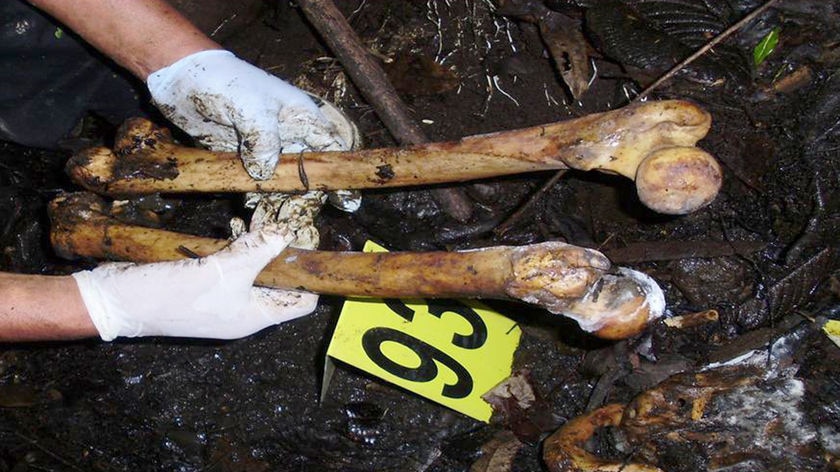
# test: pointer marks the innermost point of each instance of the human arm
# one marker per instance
(141, 35)
(211, 297)
(222, 101)
(42, 308)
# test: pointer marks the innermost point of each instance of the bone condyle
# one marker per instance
(652, 143)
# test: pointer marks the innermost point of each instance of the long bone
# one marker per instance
(651, 143)
(559, 277)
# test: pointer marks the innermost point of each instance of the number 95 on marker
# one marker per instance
(450, 351)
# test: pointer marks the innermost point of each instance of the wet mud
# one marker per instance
(763, 255)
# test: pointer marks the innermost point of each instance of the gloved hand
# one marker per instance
(211, 297)
(227, 104)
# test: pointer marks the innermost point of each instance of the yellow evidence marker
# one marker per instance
(449, 351)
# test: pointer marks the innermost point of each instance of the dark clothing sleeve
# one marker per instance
(50, 79)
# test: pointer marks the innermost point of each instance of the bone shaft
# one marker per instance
(478, 274)
(195, 170)
(359, 170)
(473, 274)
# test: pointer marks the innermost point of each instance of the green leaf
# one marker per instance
(59, 33)
(766, 46)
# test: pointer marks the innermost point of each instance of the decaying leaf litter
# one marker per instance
(762, 256)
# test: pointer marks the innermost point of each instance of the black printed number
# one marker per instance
(474, 340)
(372, 342)
(373, 339)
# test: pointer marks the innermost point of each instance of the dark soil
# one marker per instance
(763, 254)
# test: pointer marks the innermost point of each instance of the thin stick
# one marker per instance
(366, 73)
(374, 85)
(43, 449)
(517, 215)
(712, 43)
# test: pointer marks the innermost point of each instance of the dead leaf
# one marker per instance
(562, 35)
(520, 407)
(498, 453)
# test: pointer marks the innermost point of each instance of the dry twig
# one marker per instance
(703, 50)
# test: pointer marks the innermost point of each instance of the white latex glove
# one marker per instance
(211, 297)
(228, 104)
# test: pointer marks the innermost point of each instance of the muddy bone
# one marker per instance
(561, 278)
(651, 143)
(721, 418)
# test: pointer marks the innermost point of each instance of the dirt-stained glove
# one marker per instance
(228, 104)
(210, 297)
